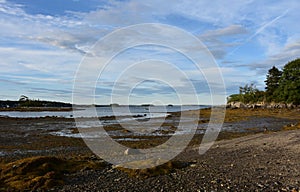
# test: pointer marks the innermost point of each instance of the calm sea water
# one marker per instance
(151, 111)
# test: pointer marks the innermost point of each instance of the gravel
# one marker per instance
(260, 162)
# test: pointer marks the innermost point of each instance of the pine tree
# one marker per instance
(272, 83)
(289, 84)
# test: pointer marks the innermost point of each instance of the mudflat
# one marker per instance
(257, 149)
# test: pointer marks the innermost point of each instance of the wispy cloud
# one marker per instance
(227, 31)
(260, 30)
(12, 82)
(44, 49)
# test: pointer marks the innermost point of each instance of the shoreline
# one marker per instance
(237, 122)
(32, 135)
(37, 109)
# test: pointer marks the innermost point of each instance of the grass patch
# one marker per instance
(236, 115)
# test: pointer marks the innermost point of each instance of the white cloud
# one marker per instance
(219, 40)
(227, 31)
(43, 68)
(288, 53)
(53, 45)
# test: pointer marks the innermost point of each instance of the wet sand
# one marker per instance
(257, 150)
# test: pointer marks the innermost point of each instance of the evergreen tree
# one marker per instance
(281, 86)
(289, 84)
(272, 83)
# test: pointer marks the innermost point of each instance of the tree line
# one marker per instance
(282, 86)
(25, 102)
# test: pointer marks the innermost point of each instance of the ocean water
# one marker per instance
(146, 111)
(127, 116)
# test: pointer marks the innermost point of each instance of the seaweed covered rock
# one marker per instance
(41, 173)
(33, 173)
(155, 170)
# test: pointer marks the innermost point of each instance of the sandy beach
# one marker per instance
(257, 150)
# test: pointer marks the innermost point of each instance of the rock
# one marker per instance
(259, 105)
(290, 106)
(236, 105)
(130, 151)
(118, 179)
(260, 185)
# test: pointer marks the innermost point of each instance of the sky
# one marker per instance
(45, 46)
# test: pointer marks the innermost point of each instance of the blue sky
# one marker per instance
(42, 44)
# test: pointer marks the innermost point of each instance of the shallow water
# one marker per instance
(257, 124)
(18, 132)
(151, 111)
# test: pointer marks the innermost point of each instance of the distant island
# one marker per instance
(282, 90)
(147, 105)
(27, 104)
(114, 105)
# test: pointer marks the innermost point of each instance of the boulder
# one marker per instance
(237, 105)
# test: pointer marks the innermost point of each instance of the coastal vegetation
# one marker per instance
(282, 86)
(26, 102)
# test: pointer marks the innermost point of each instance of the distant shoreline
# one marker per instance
(80, 107)
(37, 109)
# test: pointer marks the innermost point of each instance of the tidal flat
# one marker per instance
(257, 149)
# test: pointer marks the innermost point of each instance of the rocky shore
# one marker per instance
(257, 150)
(262, 105)
(262, 162)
